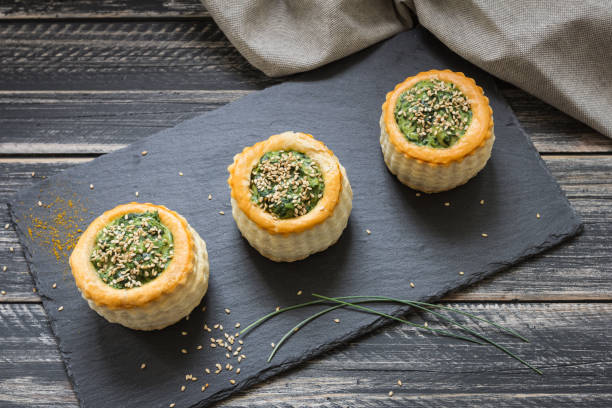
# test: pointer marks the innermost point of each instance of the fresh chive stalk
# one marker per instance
(342, 302)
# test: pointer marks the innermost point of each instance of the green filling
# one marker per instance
(433, 113)
(132, 250)
(286, 184)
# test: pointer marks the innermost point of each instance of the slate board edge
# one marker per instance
(551, 242)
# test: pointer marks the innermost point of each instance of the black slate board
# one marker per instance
(414, 239)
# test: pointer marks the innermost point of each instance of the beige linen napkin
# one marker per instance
(559, 51)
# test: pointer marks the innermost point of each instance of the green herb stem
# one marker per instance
(473, 332)
(388, 316)
(414, 303)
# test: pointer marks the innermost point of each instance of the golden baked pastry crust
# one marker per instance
(175, 274)
(240, 181)
(476, 136)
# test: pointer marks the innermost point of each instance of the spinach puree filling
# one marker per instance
(286, 183)
(132, 250)
(433, 113)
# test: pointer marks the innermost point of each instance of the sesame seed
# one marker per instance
(299, 292)
(390, 393)
(447, 204)
(484, 235)
(368, 232)
(34, 290)
(180, 173)
(59, 309)
(418, 194)
(227, 311)
(33, 174)
(277, 308)
(4, 268)
(232, 382)
(210, 196)
(54, 285)
(399, 382)
(172, 405)
(240, 341)
(136, 194)
(40, 203)
(538, 215)
(143, 366)
(6, 226)
(11, 249)
(213, 345)
(144, 153)
(222, 212)
(412, 284)
(199, 347)
(2, 292)
(184, 351)
(203, 387)
(272, 345)
(184, 333)
(337, 320)
(183, 388)
(228, 355)
(482, 202)
(237, 325)
(91, 186)
(461, 272)
(207, 370)
(238, 370)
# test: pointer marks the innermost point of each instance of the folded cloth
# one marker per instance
(557, 50)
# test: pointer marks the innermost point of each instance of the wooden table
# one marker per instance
(84, 78)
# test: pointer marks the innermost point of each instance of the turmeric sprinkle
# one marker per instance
(59, 231)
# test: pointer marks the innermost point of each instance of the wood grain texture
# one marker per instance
(578, 270)
(85, 122)
(122, 55)
(177, 55)
(569, 342)
(91, 9)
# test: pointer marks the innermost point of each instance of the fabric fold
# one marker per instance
(559, 51)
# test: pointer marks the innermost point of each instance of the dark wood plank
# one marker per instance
(33, 9)
(569, 342)
(151, 56)
(85, 122)
(122, 55)
(578, 270)
(96, 122)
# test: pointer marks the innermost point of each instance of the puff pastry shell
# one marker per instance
(429, 169)
(292, 239)
(160, 302)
